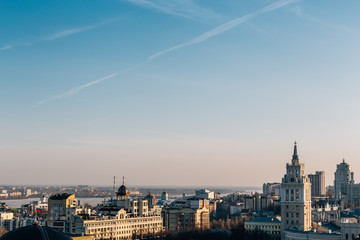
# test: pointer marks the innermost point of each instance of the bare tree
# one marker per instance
(2, 231)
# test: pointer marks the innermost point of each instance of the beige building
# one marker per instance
(178, 219)
(122, 226)
(295, 197)
(120, 218)
(266, 224)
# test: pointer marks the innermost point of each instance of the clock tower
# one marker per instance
(295, 197)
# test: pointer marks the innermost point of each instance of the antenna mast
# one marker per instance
(114, 186)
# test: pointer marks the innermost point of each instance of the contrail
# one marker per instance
(76, 90)
(201, 38)
(225, 27)
(60, 34)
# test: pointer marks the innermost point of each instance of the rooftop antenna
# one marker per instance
(114, 185)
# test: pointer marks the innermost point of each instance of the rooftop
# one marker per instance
(265, 220)
(60, 196)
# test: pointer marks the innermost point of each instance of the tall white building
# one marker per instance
(343, 176)
(295, 197)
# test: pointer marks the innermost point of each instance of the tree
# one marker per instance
(2, 231)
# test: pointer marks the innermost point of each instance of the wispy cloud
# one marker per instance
(209, 34)
(68, 32)
(225, 27)
(181, 8)
(76, 90)
(57, 35)
(6, 47)
(338, 27)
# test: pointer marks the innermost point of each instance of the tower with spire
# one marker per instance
(295, 196)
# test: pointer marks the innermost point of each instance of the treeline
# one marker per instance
(221, 230)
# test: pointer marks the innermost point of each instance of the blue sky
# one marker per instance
(216, 91)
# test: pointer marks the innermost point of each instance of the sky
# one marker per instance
(177, 92)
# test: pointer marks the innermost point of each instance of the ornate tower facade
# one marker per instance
(295, 196)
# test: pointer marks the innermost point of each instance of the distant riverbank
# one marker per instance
(17, 203)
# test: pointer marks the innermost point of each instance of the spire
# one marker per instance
(123, 180)
(295, 155)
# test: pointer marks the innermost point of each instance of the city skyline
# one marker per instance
(180, 93)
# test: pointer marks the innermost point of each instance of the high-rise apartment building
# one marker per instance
(318, 184)
(343, 176)
(295, 197)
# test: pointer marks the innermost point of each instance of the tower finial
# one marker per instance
(123, 180)
(295, 156)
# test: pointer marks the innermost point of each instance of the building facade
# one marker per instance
(178, 219)
(271, 189)
(317, 181)
(266, 224)
(343, 176)
(122, 226)
(295, 197)
(310, 235)
(352, 195)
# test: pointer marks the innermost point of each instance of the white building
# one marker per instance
(205, 193)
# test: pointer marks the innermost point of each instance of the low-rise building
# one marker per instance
(182, 218)
(269, 225)
(310, 235)
(350, 230)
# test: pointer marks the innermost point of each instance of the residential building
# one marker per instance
(350, 231)
(58, 205)
(310, 235)
(352, 195)
(205, 193)
(343, 176)
(123, 225)
(269, 225)
(178, 219)
(317, 181)
(272, 189)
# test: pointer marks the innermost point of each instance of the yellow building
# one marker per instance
(266, 224)
(58, 205)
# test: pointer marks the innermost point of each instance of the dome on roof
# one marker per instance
(122, 191)
(35, 232)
